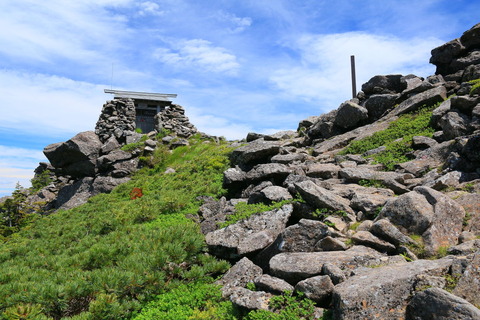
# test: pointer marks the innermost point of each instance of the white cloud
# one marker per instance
(199, 53)
(48, 104)
(324, 71)
(150, 8)
(239, 23)
(16, 166)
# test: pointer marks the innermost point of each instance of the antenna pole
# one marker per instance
(354, 81)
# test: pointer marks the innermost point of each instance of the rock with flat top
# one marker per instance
(438, 304)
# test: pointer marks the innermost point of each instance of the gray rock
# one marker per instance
(249, 235)
(271, 284)
(421, 142)
(466, 248)
(106, 162)
(258, 151)
(322, 170)
(379, 104)
(251, 300)
(445, 53)
(297, 266)
(322, 198)
(429, 97)
(447, 220)
(411, 211)
(439, 112)
(243, 272)
(468, 287)
(234, 175)
(276, 194)
(369, 203)
(435, 303)
(336, 274)
(384, 229)
(281, 135)
(349, 115)
(105, 184)
(75, 194)
(289, 158)
(318, 289)
(470, 38)
(454, 124)
(110, 145)
(382, 293)
(303, 236)
(471, 203)
(360, 173)
(367, 239)
(330, 244)
(267, 171)
(75, 157)
(384, 84)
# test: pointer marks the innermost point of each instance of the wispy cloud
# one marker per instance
(323, 72)
(199, 53)
(237, 24)
(150, 8)
(16, 166)
(48, 104)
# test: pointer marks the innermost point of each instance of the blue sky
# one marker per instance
(236, 65)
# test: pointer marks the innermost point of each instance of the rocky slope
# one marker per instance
(364, 242)
(362, 239)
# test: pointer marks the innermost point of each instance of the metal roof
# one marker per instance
(141, 95)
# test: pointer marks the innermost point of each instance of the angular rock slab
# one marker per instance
(76, 156)
(429, 213)
(249, 235)
(296, 266)
(438, 304)
(318, 289)
(382, 293)
(243, 272)
(271, 284)
(322, 198)
(258, 151)
(468, 287)
(251, 300)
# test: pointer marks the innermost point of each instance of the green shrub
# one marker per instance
(41, 180)
(286, 307)
(475, 87)
(189, 301)
(397, 138)
(109, 257)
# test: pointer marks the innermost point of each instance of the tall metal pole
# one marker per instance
(354, 81)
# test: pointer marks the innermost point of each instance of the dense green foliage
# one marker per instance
(475, 89)
(41, 180)
(397, 138)
(107, 258)
(14, 213)
(286, 307)
(189, 301)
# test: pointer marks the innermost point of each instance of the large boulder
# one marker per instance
(429, 213)
(378, 104)
(75, 157)
(382, 293)
(322, 198)
(303, 236)
(297, 266)
(249, 235)
(468, 287)
(258, 151)
(349, 115)
(415, 102)
(318, 289)
(384, 85)
(438, 304)
(243, 272)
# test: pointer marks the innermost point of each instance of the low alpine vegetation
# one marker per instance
(397, 138)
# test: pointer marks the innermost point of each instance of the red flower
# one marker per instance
(136, 193)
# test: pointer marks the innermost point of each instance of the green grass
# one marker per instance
(397, 138)
(475, 86)
(109, 257)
